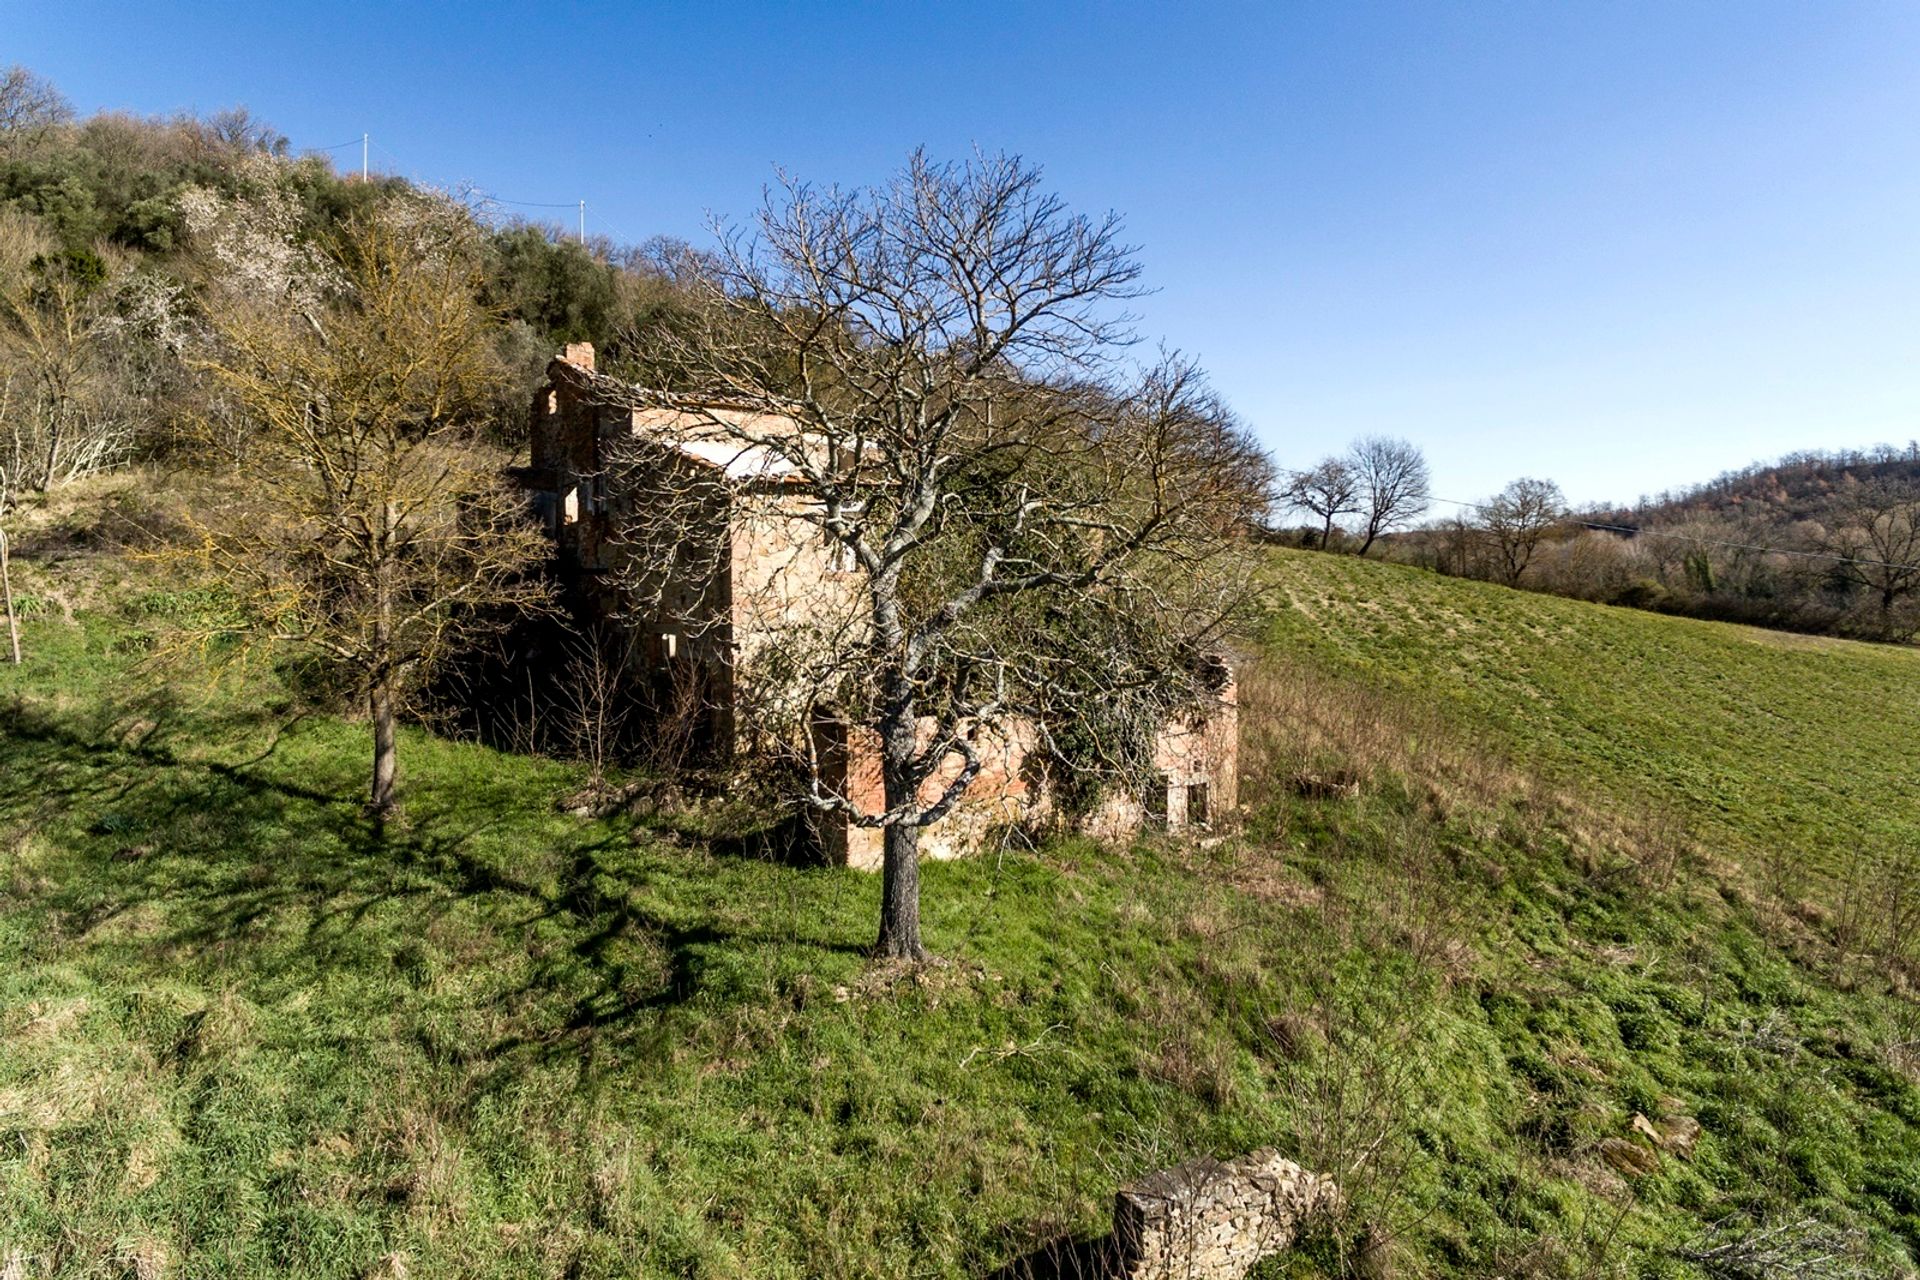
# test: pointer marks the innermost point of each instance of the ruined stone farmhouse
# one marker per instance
(751, 582)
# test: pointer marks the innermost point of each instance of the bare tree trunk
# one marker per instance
(55, 429)
(380, 688)
(380, 704)
(900, 863)
(900, 895)
(6, 591)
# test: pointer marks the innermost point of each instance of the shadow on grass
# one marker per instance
(1064, 1259)
(234, 852)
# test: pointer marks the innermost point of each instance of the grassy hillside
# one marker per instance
(1798, 750)
(1458, 949)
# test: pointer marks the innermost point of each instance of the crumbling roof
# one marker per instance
(739, 461)
(714, 435)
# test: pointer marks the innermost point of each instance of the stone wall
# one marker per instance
(1007, 791)
(1196, 755)
(1213, 1220)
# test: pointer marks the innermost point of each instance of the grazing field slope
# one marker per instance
(1488, 943)
(1767, 744)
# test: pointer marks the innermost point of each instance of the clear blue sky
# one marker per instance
(1621, 245)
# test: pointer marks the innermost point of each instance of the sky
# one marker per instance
(1623, 246)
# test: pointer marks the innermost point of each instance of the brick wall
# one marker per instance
(1194, 753)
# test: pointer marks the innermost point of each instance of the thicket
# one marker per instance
(1820, 543)
(128, 245)
(102, 282)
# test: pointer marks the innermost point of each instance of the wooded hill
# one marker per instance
(1816, 542)
(98, 209)
(1799, 487)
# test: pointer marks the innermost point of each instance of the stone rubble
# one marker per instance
(1213, 1220)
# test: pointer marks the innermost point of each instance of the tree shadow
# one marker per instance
(1064, 1258)
(233, 851)
(792, 841)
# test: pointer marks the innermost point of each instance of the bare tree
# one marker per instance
(28, 104)
(6, 595)
(596, 698)
(6, 509)
(1518, 519)
(1395, 488)
(1875, 543)
(375, 531)
(1329, 489)
(933, 370)
(9, 492)
(238, 130)
(56, 321)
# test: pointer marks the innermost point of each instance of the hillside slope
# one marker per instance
(1791, 748)
(1805, 486)
(1461, 955)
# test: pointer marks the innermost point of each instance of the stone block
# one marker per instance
(1212, 1219)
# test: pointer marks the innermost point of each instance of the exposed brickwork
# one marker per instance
(1196, 757)
(773, 579)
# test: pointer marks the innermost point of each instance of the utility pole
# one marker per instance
(363, 157)
(583, 222)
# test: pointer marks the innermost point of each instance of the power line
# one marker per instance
(527, 204)
(413, 175)
(483, 196)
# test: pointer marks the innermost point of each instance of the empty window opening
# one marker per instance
(1155, 802)
(1197, 803)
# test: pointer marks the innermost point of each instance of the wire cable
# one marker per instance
(480, 194)
(526, 204)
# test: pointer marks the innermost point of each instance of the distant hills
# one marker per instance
(1827, 543)
(1799, 487)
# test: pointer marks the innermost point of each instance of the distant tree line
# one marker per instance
(1826, 543)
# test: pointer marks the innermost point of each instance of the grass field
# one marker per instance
(242, 1033)
(1787, 746)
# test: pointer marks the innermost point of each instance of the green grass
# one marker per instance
(1790, 745)
(243, 1034)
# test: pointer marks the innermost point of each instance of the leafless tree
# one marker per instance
(238, 129)
(28, 104)
(1518, 519)
(1328, 489)
(596, 698)
(1875, 543)
(56, 323)
(933, 371)
(6, 508)
(1394, 485)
